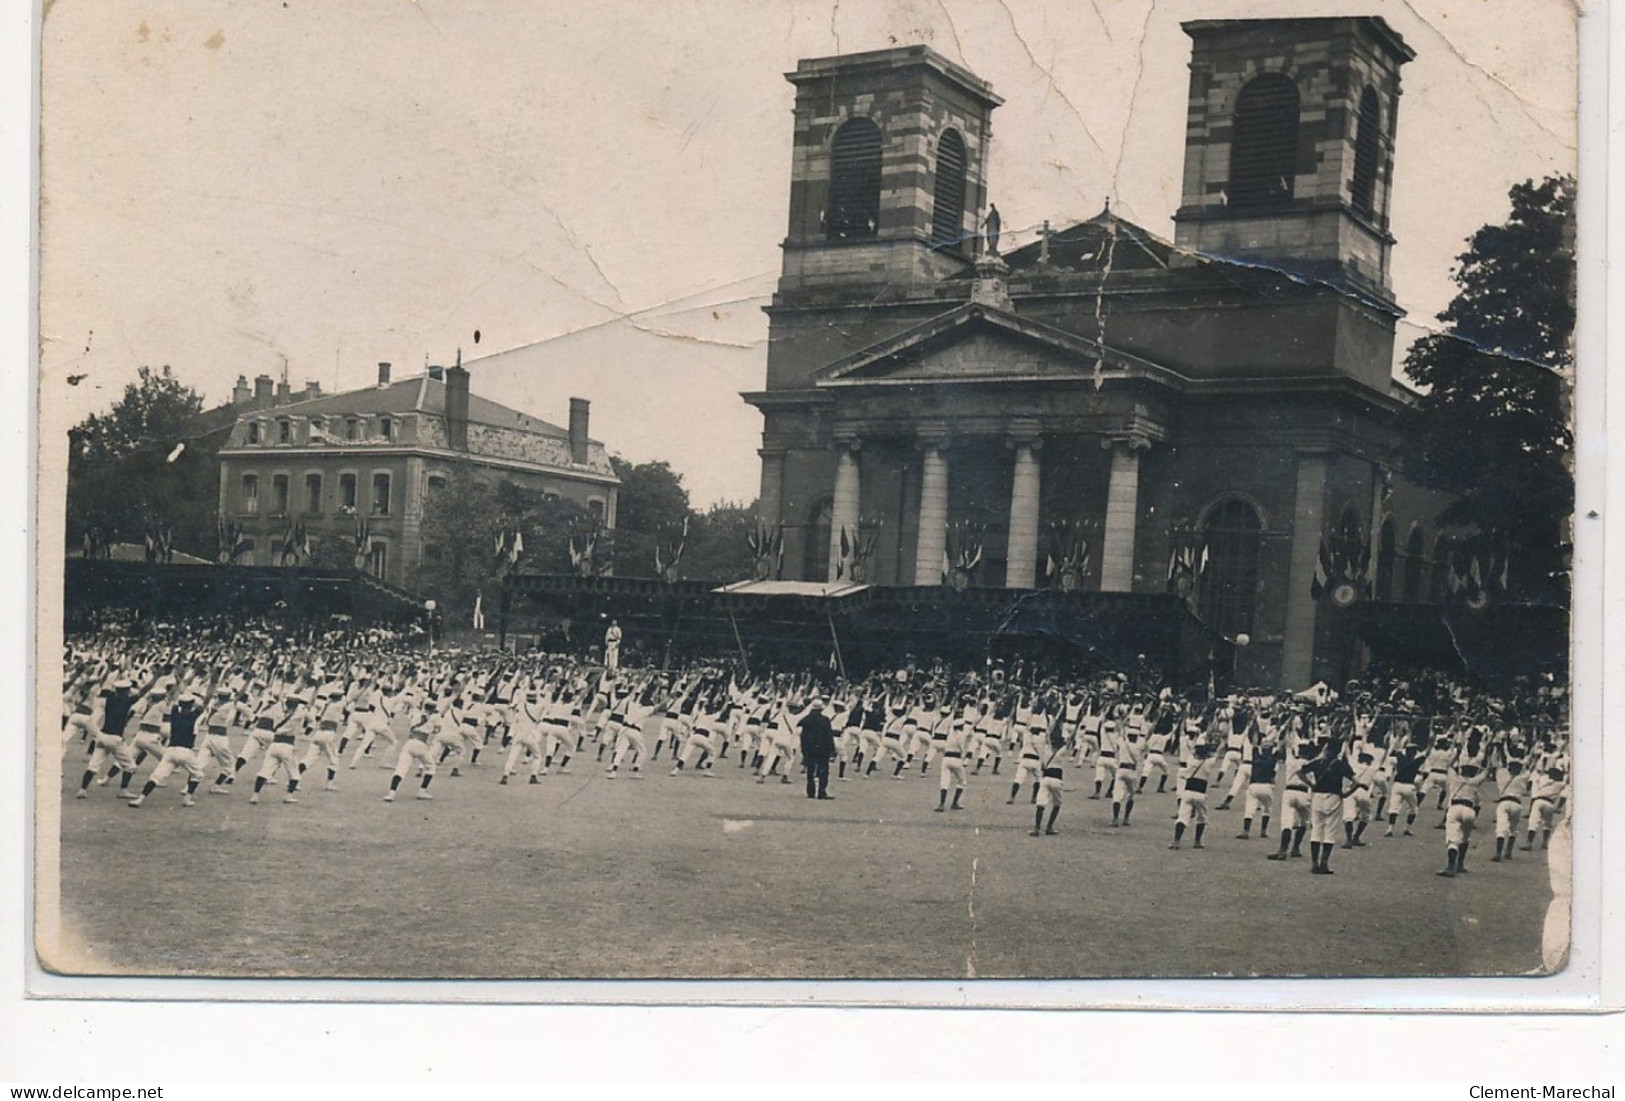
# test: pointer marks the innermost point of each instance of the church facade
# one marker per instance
(1100, 409)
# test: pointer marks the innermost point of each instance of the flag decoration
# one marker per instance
(766, 544)
(232, 541)
(509, 547)
(1187, 564)
(1342, 568)
(363, 543)
(843, 562)
(1476, 571)
(295, 542)
(962, 553)
(1066, 563)
(159, 543)
(667, 561)
(591, 553)
(857, 548)
(479, 611)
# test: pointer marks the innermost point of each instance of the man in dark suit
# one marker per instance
(817, 747)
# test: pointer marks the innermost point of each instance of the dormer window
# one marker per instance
(284, 431)
(352, 428)
(253, 431)
(386, 428)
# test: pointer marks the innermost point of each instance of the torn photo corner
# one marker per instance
(506, 472)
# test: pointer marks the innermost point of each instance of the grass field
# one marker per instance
(585, 877)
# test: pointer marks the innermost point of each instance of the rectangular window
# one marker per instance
(313, 494)
(253, 431)
(379, 560)
(380, 494)
(279, 494)
(386, 428)
(284, 431)
(351, 428)
(347, 492)
(251, 493)
(436, 483)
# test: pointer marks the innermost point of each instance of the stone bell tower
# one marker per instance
(888, 178)
(1289, 145)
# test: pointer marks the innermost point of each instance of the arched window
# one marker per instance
(1264, 143)
(1415, 552)
(1386, 549)
(1367, 154)
(815, 555)
(948, 196)
(1228, 588)
(854, 181)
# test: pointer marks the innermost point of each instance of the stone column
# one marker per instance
(1021, 553)
(769, 501)
(1308, 521)
(933, 528)
(844, 510)
(1122, 518)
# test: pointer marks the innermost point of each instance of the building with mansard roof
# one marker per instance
(1100, 408)
(366, 461)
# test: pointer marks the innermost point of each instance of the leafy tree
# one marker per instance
(1494, 419)
(156, 410)
(719, 543)
(462, 522)
(146, 463)
(652, 506)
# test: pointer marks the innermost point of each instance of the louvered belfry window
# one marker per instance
(854, 181)
(1264, 143)
(1367, 154)
(948, 195)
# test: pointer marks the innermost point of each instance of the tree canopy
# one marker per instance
(143, 465)
(1495, 413)
(155, 410)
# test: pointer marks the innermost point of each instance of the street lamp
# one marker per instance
(428, 621)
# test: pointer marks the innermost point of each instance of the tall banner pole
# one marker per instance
(840, 662)
(744, 658)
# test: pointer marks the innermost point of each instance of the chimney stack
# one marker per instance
(313, 390)
(263, 391)
(437, 373)
(284, 392)
(578, 430)
(383, 375)
(457, 408)
(241, 394)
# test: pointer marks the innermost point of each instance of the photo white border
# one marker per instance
(53, 1028)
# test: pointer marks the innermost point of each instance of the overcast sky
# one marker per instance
(600, 188)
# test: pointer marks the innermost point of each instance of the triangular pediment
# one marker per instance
(977, 343)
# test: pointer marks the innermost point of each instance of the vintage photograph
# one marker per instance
(1120, 451)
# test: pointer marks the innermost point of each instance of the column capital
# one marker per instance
(1131, 442)
(847, 438)
(772, 452)
(1024, 433)
(931, 436)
